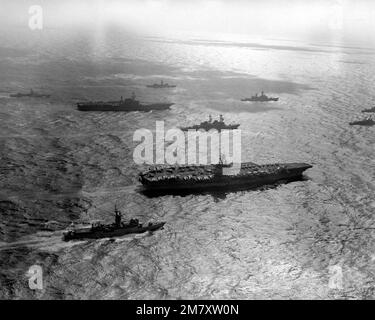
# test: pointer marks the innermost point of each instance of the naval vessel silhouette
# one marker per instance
(261, 98)
(208, 125)
(366, 122)
(369, 110)
(127, 105)
(116, 229)
(161, 85)
(31, 94)
(247, 174)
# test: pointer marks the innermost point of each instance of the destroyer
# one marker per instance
(366, 122)
(208, 125)
(369, 110)
(31, 94)
(171, 178)
(127, 105)
(116, 229)
(261, 98)
(161, 85)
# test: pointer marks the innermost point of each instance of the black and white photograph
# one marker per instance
(187, 150)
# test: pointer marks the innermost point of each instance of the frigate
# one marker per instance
(208, 125)
(366, 122)
(161, 85)
(124, 105)
(260, 98)
(369, 110)
(98, 230)
(31, 94)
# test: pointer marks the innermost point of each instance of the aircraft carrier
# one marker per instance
(220, 175)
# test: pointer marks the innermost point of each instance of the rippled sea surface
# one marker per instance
(59, 165)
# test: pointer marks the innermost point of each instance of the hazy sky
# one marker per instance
(352, 19)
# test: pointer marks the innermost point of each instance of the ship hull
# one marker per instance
(229, 127)
(27, 95)
(161, 87)
(256, 100)
(368, 110)
(105, 107)
(99, 234)
(295, 172)
(363, 123)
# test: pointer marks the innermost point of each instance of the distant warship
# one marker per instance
(117, 229)
(261, 98)
(31, 94)
(208, 125)
(365, 122)
(172, 178)
(161, 85)
(369, 110)
(127, 105)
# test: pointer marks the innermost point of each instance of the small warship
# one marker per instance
(365, 122)
(161, 85)
(116, 229)
(260, 98)
(248, 174)
(30, 94)
(369, 110)
(125, 105)
(208, 125)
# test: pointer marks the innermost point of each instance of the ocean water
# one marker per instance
(59, 165)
